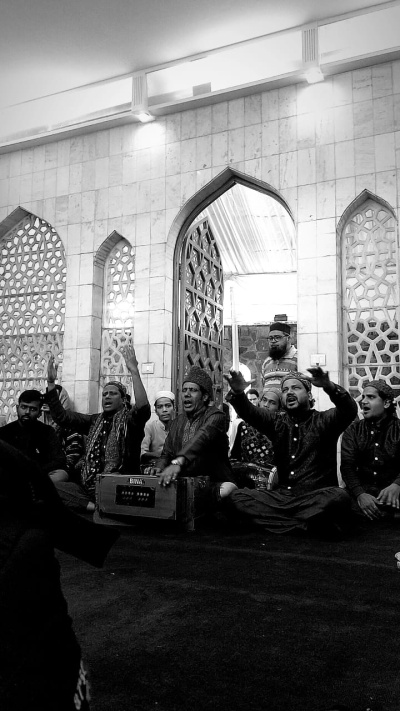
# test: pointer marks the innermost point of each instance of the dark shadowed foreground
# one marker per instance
(239, 621)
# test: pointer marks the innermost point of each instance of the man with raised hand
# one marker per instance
(307, 497)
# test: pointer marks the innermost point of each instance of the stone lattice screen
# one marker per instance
(371, 297)
(32, 308)
(118, 312)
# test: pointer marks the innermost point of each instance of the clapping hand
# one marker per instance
(52, 368)
(129, 354)
(319, 377)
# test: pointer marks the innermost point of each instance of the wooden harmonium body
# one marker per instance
(123, 498)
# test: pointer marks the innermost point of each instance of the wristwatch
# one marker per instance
(176, 463)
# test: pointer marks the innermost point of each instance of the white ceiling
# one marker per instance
(47, 46)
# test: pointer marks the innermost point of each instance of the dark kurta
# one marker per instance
(82, 423)
(305, 455)
(206, 451)
(370, 458)
(39, 442)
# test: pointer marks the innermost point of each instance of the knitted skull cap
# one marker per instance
(279, 326)
(383, 389)
(201, 378)
(297, 376)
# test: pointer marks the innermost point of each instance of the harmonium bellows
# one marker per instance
(124, 498)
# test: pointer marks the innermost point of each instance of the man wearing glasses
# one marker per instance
(282, 355)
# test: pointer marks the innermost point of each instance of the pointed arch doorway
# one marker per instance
(198, 290)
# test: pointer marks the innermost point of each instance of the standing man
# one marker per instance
(308, 496)
(197, 444)
(370, 461)
(155, 432)
(34, 439)
(282, 355)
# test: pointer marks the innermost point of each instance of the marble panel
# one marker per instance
(287, 101)
(324, 127)
(173, 191)
(173, 128)
(326, 193)
(364, 155)
(101, 173)
(291, 197)
(365, 182)
(85, 299)
(328, 343)
(141, 326)
(236, 145)
(129, 171)
(49, 210)
(342, 89)
(157, 227)
(74, 208)
(307, 314)
(129, 199)
(62, 210)
(306, 240)
(76, 149)
(343, 119)
(306, 169)
(252, 109)
(38, 158)
(75, 178)
(396, 111)
(14, 185)
(363, 117)
(236, 113)
(188, 125)
(188, 186)
(270, 170)
(345, 194)
(396, 76)
(382, 82)
(252, 141)
(88, 175)
(173, 159)
(157, 194)
(203, 121)
(202, 178)
(50, 156)
(362, 84)
(306, 130)
(88, 205)
(188, 155)
(143, 229)
(344, 159)
(325, 162)
(142, 263)
(26, 188)
(307, 276)
(4, 193)
(383, 114)
(86, 269)
(129, 228)
(5, 160)
(102, 144)
(327, 313)
(143, 164)
(38, 185)
(26, 162)
(98, 300)
(116, 140)
(15, 164)
(70, 355)
(253, 168)
(270, 105)
(386, 186)
(270, 138)
(385, 157)
(219, 117)
(50, 183)
(89, 146)
(101, 204)
(287, 134)
(326, 274)
(203, 152)
(307, 205)
(157, 293)
(158, 160)
(306, 345)
(288, 169)
(326, 237)
(143, 196)
(156, 356)
(87, 237)
(219, 148)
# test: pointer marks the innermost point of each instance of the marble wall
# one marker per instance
(319, 146)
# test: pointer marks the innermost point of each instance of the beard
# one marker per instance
(277, 351)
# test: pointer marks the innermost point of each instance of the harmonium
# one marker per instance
(126, 499)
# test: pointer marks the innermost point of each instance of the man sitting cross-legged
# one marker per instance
(33, 438)
(370, 461)
(114, 436)
(155, 432)
(308, 497)
(197, 444)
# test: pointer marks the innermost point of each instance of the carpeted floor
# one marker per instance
(239, 621)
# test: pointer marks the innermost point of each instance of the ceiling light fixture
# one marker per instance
(311, 61)
(140, 107)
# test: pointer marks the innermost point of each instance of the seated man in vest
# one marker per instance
(370, 461)
(155, 431)
(114, 436)
(282, 356)
(197, 443)
(35, 439)
(308, 497)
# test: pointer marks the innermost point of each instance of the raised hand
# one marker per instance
(129, 354)
(236, 381)
(52, 368)
(319, 377)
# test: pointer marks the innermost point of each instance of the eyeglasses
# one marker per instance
(275, 338)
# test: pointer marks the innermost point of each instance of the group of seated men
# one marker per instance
(284, 430)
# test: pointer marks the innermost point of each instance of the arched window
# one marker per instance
(118, 311)
(32, 307)
(371, 297)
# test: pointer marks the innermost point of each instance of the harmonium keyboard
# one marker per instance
(123, 499)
